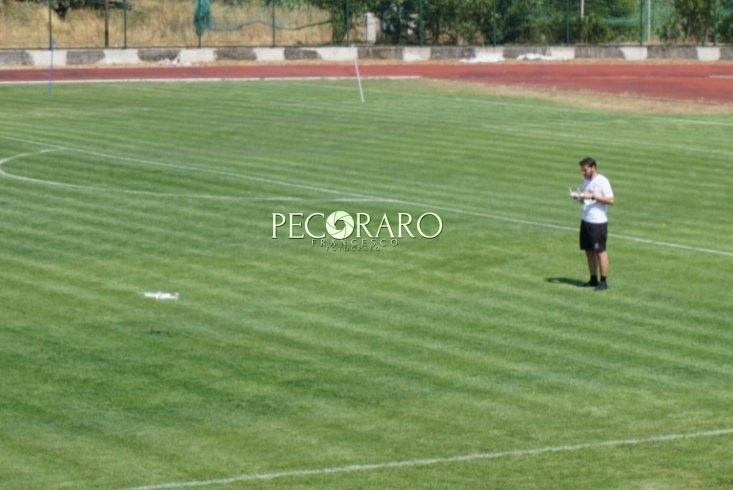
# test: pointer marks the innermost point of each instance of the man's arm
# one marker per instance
(609, 200)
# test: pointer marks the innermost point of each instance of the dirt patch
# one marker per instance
(628, 103)
(584, 99)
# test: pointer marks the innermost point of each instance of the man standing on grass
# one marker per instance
(595, 196)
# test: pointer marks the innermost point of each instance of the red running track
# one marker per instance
(704, 82)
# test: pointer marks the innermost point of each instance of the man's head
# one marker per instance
(588, 167)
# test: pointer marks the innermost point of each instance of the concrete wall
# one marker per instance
(106, 57)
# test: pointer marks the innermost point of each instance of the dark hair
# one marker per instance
(588, 161)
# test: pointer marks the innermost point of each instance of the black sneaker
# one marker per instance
(590, 284)
(601, 286)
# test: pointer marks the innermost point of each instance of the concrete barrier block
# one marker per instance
(156, 55)
(301, 54)
(599, 52)
(270, 54)
(337, 53)
(634, 53)
(485, 55)
(708, 53)
(15, 58)
(236, 53)
(84, 56)
(726, 52)
(415, 54)
(672, 52)
(514, 52)
(451, 53)
(199, 55)
(380, 53)
(120, 57)
(42, 57)
(561, 53)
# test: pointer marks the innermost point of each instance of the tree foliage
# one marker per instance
(343, 14)
(455, 21)
(696, 21)
(530, 21)
(725, 28)
(505, 21)
(694, 18)
(502, 21)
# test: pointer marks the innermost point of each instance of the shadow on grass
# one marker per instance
(565, 281)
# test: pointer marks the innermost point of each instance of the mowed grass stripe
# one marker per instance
(507, 172)
(588, 343)
(585, 346)
(280, 354)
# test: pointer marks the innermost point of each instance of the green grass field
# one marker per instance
(470, 360)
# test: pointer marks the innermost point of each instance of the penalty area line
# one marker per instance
(356, 468)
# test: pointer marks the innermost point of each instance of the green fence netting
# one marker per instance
(188, 23)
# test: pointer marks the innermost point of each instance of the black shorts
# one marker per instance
(593, 236)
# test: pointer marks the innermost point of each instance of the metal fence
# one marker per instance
(170, 23)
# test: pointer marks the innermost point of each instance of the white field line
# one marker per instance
(496, 217)
(67, 185)
(409, 463)
(363, 197)
(346, 198)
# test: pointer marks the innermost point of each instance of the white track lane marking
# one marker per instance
(409, 463)
(356, 197)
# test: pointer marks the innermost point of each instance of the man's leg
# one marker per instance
(603, 266)
(603, 263)
(592, 262)
(592, 258)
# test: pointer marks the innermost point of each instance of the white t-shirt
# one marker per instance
(593, 211)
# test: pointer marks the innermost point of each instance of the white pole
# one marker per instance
(358, 79)
(649, 20)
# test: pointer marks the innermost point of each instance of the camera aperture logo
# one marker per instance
(340, 231)
(333, 221)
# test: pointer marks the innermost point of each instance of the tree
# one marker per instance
(530, 21)
(399, 19)
(694, 18)
(343, 13)
(726, 28)
(457, 21)
(435, 21)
